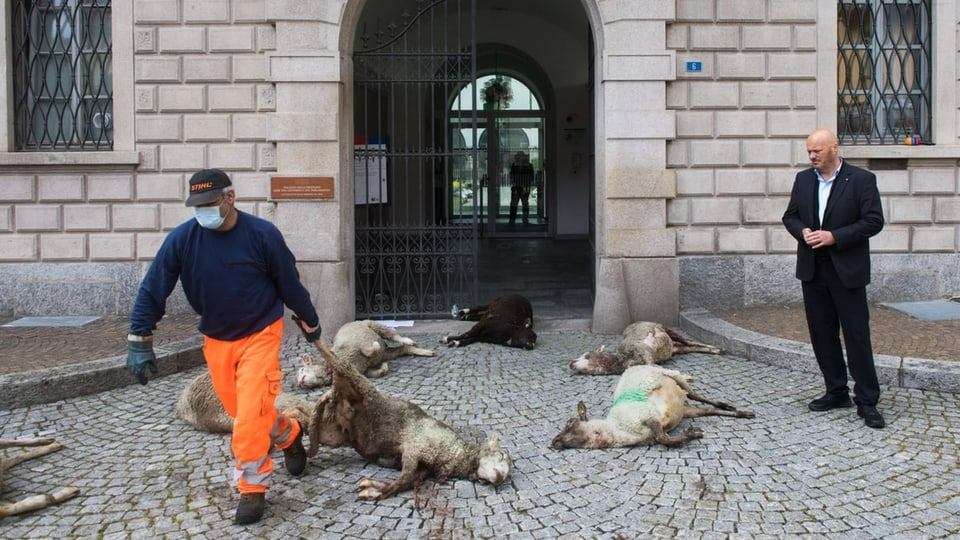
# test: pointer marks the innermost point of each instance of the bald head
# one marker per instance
(823, 135)
(823, 150)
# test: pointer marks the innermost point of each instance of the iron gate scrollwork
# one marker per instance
(412, 260)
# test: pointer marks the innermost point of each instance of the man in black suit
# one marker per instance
(833, 211)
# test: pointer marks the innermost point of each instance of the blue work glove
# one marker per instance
(312, 334)
(140, 357)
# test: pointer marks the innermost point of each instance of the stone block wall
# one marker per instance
(742, 122)
(75, 238)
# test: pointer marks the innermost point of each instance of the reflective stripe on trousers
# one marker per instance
(246, 376)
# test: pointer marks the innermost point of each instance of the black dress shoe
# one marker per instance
(871, 416)
(829, 402)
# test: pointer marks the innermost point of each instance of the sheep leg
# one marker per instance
(695, 412)
(404, 350)
(474, 313)
(665, 439)
(8, 462)
(36, 502)
(380, 371)
(682, 345)
(683, 381)
(375, 489)
(9, 443)
(386, 332)
(413, 350)
(460, 341)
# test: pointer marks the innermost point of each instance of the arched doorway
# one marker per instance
(434, 191)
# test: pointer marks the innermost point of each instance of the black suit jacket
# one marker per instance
(853, 215)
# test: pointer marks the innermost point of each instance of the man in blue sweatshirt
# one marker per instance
(237, 273)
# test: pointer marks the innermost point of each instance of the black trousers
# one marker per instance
(830, 307)
(519, 194)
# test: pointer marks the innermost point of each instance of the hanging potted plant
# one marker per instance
(497, 93)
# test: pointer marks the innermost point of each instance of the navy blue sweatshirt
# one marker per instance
(237, 281)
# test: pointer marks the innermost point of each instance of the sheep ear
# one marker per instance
(601, 348)
(307, 360)
(492, 442)
(582, 411)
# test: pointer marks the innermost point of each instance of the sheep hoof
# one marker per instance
(694, 433)
(369, 494)
(370, 489)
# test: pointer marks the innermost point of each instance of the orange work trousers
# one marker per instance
(246, 376)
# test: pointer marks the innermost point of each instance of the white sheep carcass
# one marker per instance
(40, 447)
(368, 345)
(200, 407)
(643, 343)
(398, 434)
(648, 402)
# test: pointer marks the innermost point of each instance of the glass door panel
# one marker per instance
(508, 194)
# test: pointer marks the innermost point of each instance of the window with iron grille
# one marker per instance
(884, 71)
(62, 75)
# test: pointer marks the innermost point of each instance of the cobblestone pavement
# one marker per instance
(31, 348)
(788, 473)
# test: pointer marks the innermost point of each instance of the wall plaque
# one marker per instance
(301, 187)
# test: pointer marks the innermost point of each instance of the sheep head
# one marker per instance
(597, 362)
(313, 374)
(580, 432)
(494, 464)
(523, 337)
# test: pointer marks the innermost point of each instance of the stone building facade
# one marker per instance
(697, 112)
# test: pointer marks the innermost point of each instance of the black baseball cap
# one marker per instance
(206, 186)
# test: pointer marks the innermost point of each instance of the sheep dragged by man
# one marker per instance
(643, 342)
(368, 345)
(648, 402)
(199, 406)
(398, 434)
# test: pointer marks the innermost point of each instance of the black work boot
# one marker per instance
(294, 456)
(250, 509)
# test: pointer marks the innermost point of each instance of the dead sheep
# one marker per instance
(40, 447)
(643, 342)
(199, 406)
(398, 434)
(508, 320)
(648, 402)
(368, 345)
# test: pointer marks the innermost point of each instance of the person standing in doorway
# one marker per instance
(237, 274)
(833, 211)
(521, 178)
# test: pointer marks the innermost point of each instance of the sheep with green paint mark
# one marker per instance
(648, 402)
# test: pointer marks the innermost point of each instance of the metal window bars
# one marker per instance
(62, 75)
(884, 68)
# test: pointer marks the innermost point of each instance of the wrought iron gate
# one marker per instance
(412, 260)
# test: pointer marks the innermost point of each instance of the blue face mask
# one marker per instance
(209, 216)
